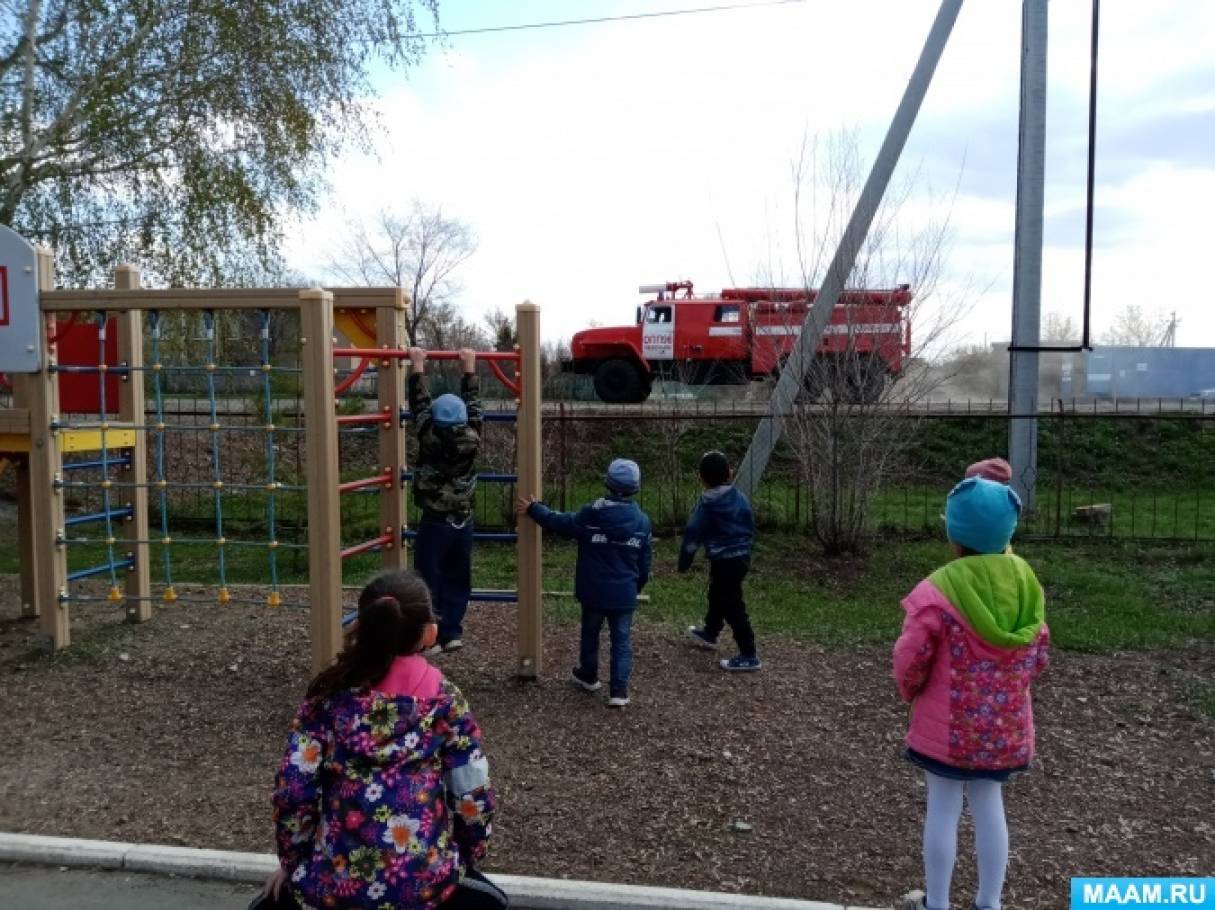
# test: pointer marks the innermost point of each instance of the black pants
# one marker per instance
(477, 892)
(726, 604)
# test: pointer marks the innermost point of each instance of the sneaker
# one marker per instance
(700, 639)
(740, 664)
(452, 645)
(912, 900)
(617, 701)
(586, 685)
(432, 651)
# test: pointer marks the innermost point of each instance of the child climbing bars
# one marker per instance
(973, 640)
(444, 483)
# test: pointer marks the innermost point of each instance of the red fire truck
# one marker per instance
(741, 335)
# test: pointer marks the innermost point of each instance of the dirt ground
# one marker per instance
(171, 733)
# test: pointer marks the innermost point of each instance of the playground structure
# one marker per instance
(118, 455)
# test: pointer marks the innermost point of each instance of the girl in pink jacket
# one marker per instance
(973, 641)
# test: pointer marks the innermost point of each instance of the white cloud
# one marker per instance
(592, 160)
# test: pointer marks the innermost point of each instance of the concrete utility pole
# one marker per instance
(768, 433)
(1027, 263)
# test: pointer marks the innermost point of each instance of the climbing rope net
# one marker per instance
(106, 477)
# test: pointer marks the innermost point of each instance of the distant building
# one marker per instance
(1141, 372)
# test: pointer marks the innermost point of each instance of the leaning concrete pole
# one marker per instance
(1027, 261)
(768, 433)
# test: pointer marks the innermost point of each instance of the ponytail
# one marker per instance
(394, 610)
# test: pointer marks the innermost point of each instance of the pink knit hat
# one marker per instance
(996, 469)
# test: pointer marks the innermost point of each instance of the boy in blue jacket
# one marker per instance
(722, 522)
(614, 555)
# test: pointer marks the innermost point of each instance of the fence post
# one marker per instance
(530, 589)
(131, 410)
(321, 469)
(390, 332)
(45, 473)
(561, 467)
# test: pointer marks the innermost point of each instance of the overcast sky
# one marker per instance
(590, 159)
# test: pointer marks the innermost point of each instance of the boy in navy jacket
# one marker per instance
(614, 553)
(722, 522)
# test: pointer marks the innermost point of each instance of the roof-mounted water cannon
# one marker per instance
(670, 287)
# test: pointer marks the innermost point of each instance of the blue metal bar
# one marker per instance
(488, 416)
(107, 569)
(253, 369)
(216, 469)
(71, 368)
(500, 597)
(482, 478)
(86, 465)
(107, 505)
(165, 558)
(268, 407)
(175, 428)
(97, 516)
(488, 536)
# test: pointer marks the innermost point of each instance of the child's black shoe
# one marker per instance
(701, 639)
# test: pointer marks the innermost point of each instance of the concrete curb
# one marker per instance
(526, 893)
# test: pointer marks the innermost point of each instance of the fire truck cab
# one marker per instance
(738, 336)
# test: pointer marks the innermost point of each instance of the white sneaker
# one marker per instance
(432, 651)
(617, 701)
(454, 645)
(584, 685)
(912, 900)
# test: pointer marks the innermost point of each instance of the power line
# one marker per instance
(600, 19)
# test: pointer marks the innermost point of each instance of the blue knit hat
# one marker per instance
(448, 411)
(982, 515)
(623, 477)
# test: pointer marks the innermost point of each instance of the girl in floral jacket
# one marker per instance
(973, 641)
(383, 798)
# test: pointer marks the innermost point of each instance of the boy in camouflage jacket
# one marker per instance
(444, 482)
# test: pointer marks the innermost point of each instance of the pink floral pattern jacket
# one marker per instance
(966, 659)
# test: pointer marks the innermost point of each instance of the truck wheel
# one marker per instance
(620, 382)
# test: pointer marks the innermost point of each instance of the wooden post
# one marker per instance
(321, 469)
(131, 410)
(390, 333)
(527, 428)
(45, 468)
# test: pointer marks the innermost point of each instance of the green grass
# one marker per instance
(1101, 596)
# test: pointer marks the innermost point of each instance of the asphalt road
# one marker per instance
(54, 888)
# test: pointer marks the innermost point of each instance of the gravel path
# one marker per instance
(171, 733)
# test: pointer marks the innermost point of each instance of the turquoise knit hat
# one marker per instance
(982, 515)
